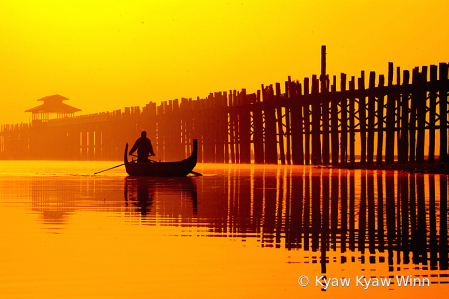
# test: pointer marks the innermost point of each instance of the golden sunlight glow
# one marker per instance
(105, 55)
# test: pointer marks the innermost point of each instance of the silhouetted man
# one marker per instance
(143, 147)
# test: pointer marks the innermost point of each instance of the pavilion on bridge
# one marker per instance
(52, 105)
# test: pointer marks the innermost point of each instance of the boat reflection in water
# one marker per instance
(172, 195)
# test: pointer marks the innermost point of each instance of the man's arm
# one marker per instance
(151, 151)
(134, 148)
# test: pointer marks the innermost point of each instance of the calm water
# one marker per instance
(238, 231)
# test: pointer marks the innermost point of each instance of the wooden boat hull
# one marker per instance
(162, 169)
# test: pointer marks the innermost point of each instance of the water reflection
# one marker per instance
(53, 199)
(171, 194)
(378, 214)
(385, 217)
(142, 194)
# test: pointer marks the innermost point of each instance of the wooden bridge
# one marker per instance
(401, 117)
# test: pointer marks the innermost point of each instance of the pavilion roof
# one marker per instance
(53, 104)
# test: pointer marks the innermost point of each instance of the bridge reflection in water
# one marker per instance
(375, 213)
(362, 217)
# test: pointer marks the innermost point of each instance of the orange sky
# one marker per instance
(106, 55)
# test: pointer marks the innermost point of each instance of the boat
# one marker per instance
(162, 169)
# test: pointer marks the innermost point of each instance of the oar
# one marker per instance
(110, 168)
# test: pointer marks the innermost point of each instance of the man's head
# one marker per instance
(143, 134)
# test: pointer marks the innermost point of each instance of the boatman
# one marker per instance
(143, 147)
